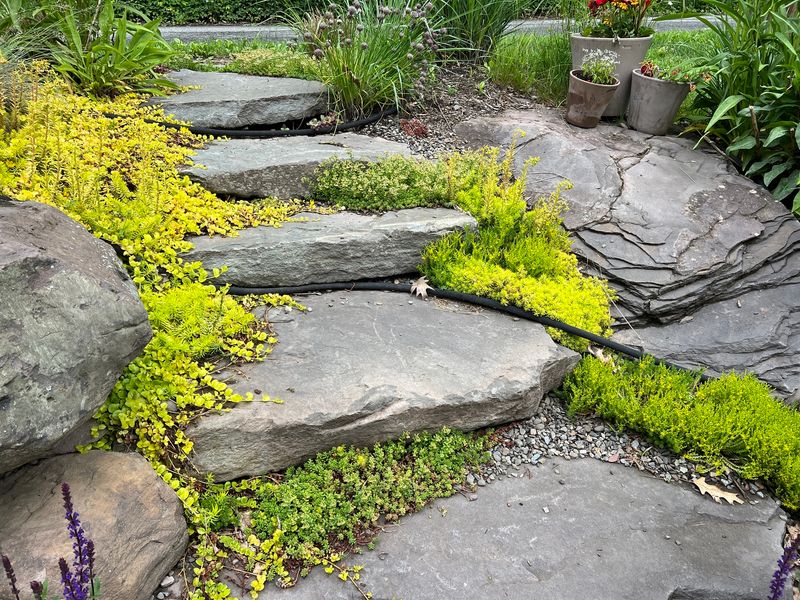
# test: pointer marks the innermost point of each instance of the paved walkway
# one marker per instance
(279, 33)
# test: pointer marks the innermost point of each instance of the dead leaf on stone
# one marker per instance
(420, 287)
(716, 492)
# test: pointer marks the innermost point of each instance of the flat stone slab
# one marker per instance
(365, 367)
(134, 518)
(231, 101)
(681, 236)
(279, 167)
(328, 248)
(574, 529)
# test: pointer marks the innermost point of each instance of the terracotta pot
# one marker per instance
(586, 101)
(654, 103)
(631, 53)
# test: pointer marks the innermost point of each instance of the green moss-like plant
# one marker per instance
(729, 422)
(277, 61)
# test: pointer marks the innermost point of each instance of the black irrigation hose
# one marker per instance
(514, 311)
(269, 133)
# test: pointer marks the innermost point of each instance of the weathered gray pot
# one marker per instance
(586, 101)
(631, 53)
(654, 103)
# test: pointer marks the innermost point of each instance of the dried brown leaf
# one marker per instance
(716, 492)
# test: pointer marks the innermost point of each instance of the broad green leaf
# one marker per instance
(787, 185)
(723, 108)
(775, 172)
(775, 134)
(745, 143)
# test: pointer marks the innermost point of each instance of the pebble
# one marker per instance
(551, 433)
(167, 581)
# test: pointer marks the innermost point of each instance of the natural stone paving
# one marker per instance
(328, 248)
(70, 323)
(230, 100)
(677, 232)
(279, 167)
(363, 367)
(134, 518)
(567, 530)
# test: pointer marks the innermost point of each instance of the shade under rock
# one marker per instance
(364, 367)
(134, 519)
(230, 100)
(70, 323)
(280, 167)
(567, 530)
(327, 248)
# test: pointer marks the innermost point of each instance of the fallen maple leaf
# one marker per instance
(716, 492)
(420, 287)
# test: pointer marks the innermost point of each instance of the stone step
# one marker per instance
(683, 238)
(327, 248)
(571, 529)
(231, 101)
(279, 167)
(134, 519)
(365, 367)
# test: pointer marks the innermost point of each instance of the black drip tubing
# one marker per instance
(269, 133)
(514, 311)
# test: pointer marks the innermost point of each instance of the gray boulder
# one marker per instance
(279, 167)
(230, 100)
(134, 519)
(691, 246)
(71, 322)
(364, 367)
(578, 529)
(327, 248)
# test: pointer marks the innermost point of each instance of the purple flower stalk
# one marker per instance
(78, 583)
(785, 565)
(12, 579)
(38, 590)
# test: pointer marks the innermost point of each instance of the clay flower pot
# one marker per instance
(654, 103)
(630, 53)
(586, 101)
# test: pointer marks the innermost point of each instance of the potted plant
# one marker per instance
(619, 26)
(656, 96)
(591, 88)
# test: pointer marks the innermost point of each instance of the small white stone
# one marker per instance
(167, 581)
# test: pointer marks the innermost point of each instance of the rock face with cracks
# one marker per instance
(230, 100)
(567, 530)
(70, 323)
(688, 243)
(134, 519)
(364, 367)
(280, 167)
(327, 248)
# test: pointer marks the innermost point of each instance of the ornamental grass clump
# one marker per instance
(371, 54)
(732, 422)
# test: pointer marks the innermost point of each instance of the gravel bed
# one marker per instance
(551, 433)
(460, 92)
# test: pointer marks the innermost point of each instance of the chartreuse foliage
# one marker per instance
(517, 255)
(119, 178)
(732, 421)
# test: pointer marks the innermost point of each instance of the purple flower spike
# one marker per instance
(79, 580)
(37, 589)
(785, 565)
(12, 579)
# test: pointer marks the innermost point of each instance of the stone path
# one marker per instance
(328, 248)
(694, 249)
(363, 367)
(567, 530)
(279, 167)
(230, 100)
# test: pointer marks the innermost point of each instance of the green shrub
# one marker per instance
(370, 56)
(342, 493)
(751, 101)
(476, 26)
(390, 184)
(732, 421)
(179, 12)
(538, 64)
